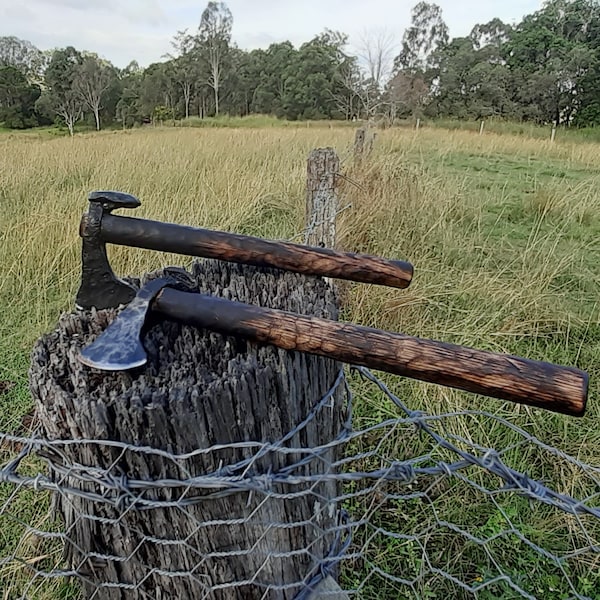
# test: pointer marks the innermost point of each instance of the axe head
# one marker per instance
(119, 347)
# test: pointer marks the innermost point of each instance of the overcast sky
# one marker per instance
(123, 30)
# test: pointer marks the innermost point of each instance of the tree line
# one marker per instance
(545, 69)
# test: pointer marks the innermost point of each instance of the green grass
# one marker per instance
(38, 133)
(256, 121)
(504, 237)
(503, 231)
(512, 129)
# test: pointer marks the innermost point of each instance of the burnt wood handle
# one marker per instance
(231, 247)
(552, 387)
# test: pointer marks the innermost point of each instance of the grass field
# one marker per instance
(503, 230)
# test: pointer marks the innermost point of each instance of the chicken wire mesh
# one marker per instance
(422, 511)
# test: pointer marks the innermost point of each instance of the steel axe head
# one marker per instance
(119, 347)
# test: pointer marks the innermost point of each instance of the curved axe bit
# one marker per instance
(536, 383)
(120, 347)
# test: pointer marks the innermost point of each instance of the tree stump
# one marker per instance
(210, 404)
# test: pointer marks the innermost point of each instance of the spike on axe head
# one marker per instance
(119, 347)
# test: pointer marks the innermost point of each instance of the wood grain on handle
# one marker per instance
(545, 385)
(231, 247)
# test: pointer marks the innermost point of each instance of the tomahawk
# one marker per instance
(175, 296)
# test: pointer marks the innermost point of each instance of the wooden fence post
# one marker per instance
(201, 390)
(322, 205)
(363, 143)
(359, 145)
(321, 197)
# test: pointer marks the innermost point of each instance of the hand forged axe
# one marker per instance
(535, 383)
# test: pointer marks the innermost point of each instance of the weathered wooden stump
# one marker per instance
(323, 167)
(254, 538)
(363, 143)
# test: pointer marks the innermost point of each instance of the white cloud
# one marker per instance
(123, 30)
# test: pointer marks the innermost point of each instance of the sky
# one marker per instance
(124, 30)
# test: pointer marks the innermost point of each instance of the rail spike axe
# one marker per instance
(100, 287)
(541, 384)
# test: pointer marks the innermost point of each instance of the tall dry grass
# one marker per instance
(509, 266)
(503, 233)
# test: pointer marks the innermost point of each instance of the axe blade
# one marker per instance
(119, 347)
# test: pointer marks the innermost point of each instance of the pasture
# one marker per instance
(503, 231)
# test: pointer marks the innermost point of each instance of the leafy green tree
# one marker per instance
(312, 80)
(238, 81)
(24, 56)
(588, 113)
(427, 33)
(472, 83)
(250, 75)
(158, 89)
(270, 71)
(492, 35)
(456, 85)
(185, 66)
(551, 54)
(128, 109)
(17, 99)
(417, 67)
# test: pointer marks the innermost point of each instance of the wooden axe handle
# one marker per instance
(232, 247)
(545, 385)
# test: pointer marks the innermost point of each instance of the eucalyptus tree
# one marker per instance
(185, 66)
(62, 94)
(24, 56)
(427, 33)
(213, 40)
(493, 34)
(92, 80)
(417, 69)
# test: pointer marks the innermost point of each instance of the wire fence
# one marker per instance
(423, 509)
